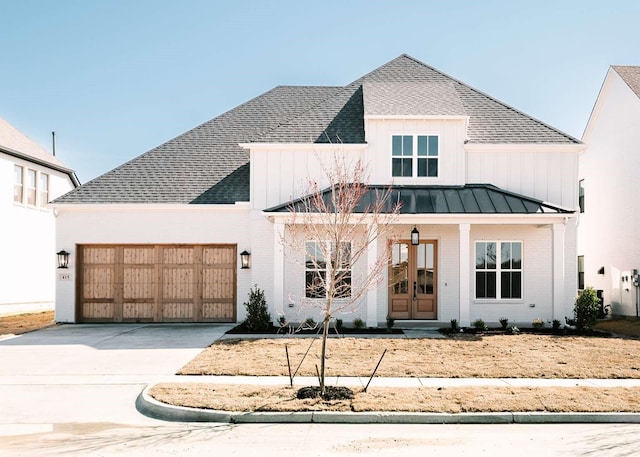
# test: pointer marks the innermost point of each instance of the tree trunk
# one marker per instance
(325, 332)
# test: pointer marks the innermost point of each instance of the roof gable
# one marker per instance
(631, 76)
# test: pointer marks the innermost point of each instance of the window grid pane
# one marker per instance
(504, 277)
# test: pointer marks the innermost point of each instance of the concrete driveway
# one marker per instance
(91, 373)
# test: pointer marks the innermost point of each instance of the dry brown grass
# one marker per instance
(629, 327)
(444, 400)
(497, 356)
(22, 323)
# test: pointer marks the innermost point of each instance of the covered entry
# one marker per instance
(413, 280)
(156, 283)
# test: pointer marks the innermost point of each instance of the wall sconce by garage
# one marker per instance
(244, 259)
(601, 270)
(63, 259)
(415, 236)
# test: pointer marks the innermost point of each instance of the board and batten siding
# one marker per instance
(174, 283)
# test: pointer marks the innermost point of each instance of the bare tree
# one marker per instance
(330, 231)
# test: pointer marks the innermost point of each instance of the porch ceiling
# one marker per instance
(467, 199)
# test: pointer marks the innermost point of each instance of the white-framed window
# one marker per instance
(498, 270)
(43, 190)
(321, 259)
(18, 184)
(581, 195)
(415, 156)
(31, 187)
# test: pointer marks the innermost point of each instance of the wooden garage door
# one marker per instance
(156, 283)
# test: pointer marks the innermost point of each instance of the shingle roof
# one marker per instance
(412, 99)
(630, 75)
(206, 165)
(467, 199)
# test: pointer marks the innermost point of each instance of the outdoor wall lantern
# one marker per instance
(415, 236)
(244, 259)
(63, 259)
(601, 270)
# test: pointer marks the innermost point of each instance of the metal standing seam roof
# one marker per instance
(206, 165)
(467, 199)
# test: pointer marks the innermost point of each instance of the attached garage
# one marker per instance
(156, 283)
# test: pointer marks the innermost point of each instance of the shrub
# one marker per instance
(556, 324)
(282, 321)
(504, 322)
(454, 324)
(514, 330)
(537, 323)
(586, 309)
(358, 323)
(390, 322)
(310, 323)
(479, 325)
(258, 317)
(339, 324)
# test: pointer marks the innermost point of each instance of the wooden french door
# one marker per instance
(413, 283)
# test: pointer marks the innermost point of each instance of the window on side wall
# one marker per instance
(581, 195)
(498, 270)
(18, 184)
(43, 190)
(415, 156)
(323, 260)
(581, 272)
(31, 187)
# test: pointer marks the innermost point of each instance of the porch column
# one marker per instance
(278, 271)
(558, 271)
(372, 294)
(465, 276)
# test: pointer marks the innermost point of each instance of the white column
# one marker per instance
(465, 276)
(558, 271)
(372, 294)
(278, 271)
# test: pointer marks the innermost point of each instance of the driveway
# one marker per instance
(91, 373)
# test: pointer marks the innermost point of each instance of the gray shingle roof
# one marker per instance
(413, 99)
(206, 165)
(630, 75)
(467, 199)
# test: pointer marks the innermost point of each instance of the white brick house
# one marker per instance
(29, 178)
(158, 238)
(608, 236)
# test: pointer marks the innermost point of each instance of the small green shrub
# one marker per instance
(586, 309)
(390, 322)
(282, 321)
(339, 324)
(514, 330)
(479, 324)
(258, 317)
(454, 324)
(358, 323)
(504, 322)
(537, 323)
(310, 322)
(556, 324)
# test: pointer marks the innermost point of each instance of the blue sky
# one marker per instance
(117, 78)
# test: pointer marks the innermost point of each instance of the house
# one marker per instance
(608, 236)
(29, 178)
(160, 238)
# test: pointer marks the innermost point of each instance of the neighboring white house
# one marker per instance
(30, 177)
(492, 192)
(609, 235)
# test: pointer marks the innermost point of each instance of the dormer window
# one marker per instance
(414, 156)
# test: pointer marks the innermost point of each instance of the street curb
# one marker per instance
(151, 407)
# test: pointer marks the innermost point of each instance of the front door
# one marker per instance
(413, 280)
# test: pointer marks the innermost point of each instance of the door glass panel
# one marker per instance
(424, 271)
(400, 268)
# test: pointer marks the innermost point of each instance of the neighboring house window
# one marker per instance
(414, 155)
(581, 195)
(581, 272)
(43, 190)
(31, 187)
(317, 267)
(503, 279)
(18, 184)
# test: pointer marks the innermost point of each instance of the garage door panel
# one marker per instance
(172, 283)
(98, 311)
(99, 282)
